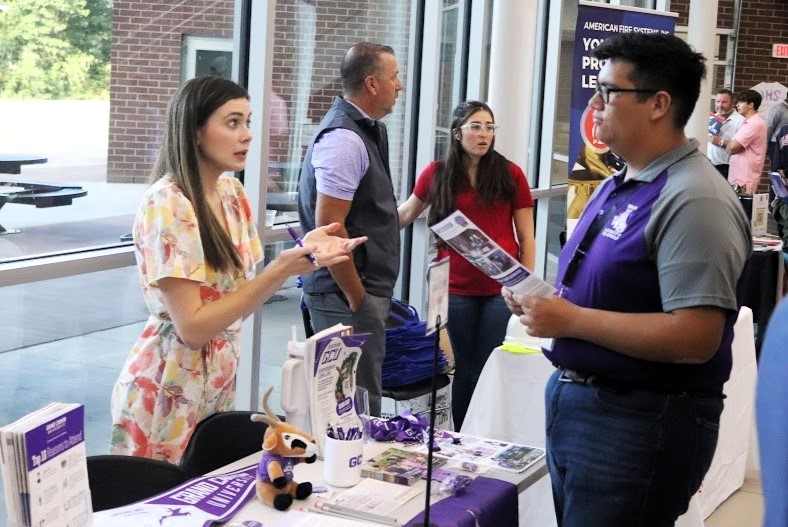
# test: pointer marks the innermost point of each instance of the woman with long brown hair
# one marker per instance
(197, 248)
(494, 194)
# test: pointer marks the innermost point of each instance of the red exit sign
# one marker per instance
(780, 51)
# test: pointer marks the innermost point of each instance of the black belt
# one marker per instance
(592, 379)
(600, 381)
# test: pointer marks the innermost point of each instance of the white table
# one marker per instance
(508, 404)
(256, 510)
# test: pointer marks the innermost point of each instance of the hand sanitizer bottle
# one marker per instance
(295, 392)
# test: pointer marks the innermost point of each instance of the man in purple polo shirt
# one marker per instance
(642, 326)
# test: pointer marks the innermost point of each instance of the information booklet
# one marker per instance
(715, 123)
(371, 500)
(475, 246)
(331, 357)
(293, 518)
(398, 466)
(461, 449)
(45, 474)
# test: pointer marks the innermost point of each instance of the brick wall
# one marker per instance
(761, 23)
(146, 71)
(146, 66)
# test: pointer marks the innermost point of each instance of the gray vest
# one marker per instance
(373, 212)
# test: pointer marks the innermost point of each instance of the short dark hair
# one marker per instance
(359, 62)
(660, 62)
(751, 96)
(726, 91)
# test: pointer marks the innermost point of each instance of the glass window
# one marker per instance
(448, 96)
(82, 99)
(309, 40)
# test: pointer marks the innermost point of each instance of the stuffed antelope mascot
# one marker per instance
(284, 446)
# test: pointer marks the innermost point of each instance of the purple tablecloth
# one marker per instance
(490, 502)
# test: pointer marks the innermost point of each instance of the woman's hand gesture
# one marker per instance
(326, 249)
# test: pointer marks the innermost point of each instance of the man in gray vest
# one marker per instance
(345, 178)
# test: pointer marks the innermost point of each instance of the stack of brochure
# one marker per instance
(44, 468)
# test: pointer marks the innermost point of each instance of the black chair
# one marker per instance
(221, 439)
(413, 390)
(116, 480)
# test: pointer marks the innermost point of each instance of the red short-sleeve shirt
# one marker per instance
(495, 220)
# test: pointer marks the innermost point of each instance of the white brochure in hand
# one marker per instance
(475, 246)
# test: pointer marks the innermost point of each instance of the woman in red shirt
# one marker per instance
(494, 194)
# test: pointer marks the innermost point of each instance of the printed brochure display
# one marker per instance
(459, 449)
(331, 359)
(44, 468)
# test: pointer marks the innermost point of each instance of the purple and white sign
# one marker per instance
(590, 160)
(201, 501)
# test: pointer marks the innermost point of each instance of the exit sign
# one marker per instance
(780, 51)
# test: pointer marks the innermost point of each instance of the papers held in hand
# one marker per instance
(474, 245)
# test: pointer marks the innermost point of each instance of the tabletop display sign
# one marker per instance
(44, 468)
(438, 303)
(465, 237)
(760, 214)
(331, 359)
(590, 160)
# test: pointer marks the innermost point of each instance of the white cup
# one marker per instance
(270, 214)
(342, 462)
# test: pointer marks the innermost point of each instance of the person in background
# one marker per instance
(775, 120)
(770, 414)
(197, 247)
(346, 178)
(642, 324)
(494, 194)
(729, 122)
(780, 159)
(748, 146)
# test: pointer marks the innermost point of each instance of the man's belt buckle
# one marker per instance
(576, 377)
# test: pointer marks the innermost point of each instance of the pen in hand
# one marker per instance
(300, 243)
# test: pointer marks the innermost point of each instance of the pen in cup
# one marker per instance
(300, 243)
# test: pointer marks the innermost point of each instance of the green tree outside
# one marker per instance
(55, 49)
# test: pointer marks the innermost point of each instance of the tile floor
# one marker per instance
(744, 508)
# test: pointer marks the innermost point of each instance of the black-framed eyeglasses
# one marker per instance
(605, 91)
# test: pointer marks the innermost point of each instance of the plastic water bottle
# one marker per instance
(295, 392)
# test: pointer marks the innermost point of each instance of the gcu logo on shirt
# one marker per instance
(619, 223)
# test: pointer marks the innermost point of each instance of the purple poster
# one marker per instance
(590, 160)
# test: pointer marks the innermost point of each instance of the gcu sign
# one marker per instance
(354, 461)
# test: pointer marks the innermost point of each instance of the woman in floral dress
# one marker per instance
(197, 247)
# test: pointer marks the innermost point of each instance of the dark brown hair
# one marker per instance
(493, 180)
(188, 111)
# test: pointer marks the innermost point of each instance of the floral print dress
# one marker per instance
(166, 388)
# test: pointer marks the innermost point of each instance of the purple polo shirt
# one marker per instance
(679, 240)
(287, 464)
